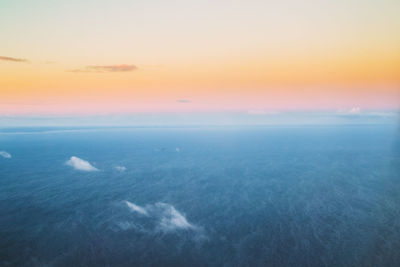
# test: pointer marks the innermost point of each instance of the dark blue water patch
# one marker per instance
(278, 196)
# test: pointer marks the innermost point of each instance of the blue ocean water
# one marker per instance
(255, 196)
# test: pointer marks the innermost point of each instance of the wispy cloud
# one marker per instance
(13, 59)
(136, 208)
(356, 114)
(80, 164)
(106, 68)
(5, 154)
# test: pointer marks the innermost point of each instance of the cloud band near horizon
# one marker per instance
(106, 68)
(13, 59)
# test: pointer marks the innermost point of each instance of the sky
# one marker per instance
(80, 57)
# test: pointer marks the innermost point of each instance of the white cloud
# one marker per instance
(137, 208)
(5, 154)
(80, 164)
(120, 168)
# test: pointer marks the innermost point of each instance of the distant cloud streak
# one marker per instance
(13, 59)
(261, 112)
(106, 68)
(184, 101)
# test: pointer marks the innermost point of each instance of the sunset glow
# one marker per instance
(99, 57)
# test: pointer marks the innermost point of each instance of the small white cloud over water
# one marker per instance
(171, 219)
(80, 164)
(164, 216)
(120, 168)
(5, 154)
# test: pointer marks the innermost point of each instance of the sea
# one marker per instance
(200, 196)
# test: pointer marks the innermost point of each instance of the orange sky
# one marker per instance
(58, 58)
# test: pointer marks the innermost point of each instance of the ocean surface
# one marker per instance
(222, 196)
